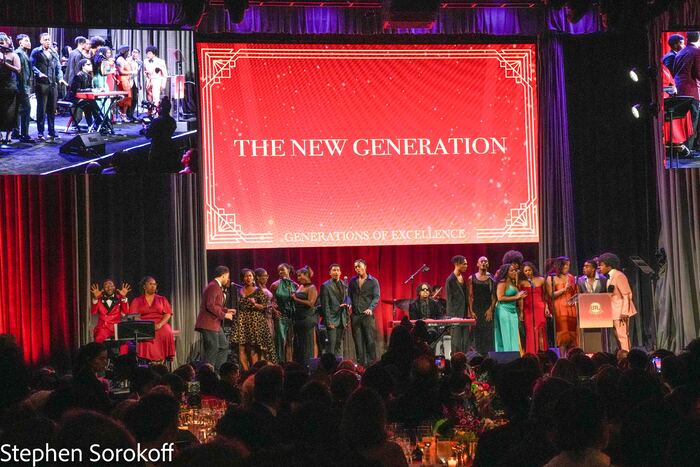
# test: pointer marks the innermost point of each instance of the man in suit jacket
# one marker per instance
(211, 313)
(622, 305)
(677, 43)
(458, 303)
(47, 74)
(364, 298)
(24, 88)
(334, 308)
(686, 73)
(591, 281)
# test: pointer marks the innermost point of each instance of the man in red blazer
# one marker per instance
(109, 304)
(211, 313)
(622, 305)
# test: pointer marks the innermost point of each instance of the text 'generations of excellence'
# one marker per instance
(369, 147)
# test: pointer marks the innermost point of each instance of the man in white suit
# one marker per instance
(622, 305)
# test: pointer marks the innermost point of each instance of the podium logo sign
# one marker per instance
(595, 308)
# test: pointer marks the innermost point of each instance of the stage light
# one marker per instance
(637, 110)
(634, 75)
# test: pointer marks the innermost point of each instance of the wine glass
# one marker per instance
(444, 450)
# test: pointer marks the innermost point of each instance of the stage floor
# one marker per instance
(692, 163)
(40, 158)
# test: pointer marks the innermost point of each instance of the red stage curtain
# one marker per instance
(37, 266)
(391, 265)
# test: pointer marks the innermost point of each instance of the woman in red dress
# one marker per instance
(534, 309)
(156, 308)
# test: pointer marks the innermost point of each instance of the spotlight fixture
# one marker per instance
(634, 75)
(636, 110)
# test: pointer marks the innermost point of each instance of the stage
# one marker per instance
(45, 158)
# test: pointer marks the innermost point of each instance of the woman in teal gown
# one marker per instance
(505, 320)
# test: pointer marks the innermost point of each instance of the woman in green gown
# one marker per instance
(284, 311)
(505, 320)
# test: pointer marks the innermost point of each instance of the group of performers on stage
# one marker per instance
(91, 65)
(279, 323)
(511, 308)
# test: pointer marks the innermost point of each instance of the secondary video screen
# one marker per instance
(83, 95)
(681, 105)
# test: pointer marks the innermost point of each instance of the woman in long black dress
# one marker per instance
(250, 331)
(483, 295)
(10, 68)
(305, 318)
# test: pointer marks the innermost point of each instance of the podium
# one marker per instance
(594, 316)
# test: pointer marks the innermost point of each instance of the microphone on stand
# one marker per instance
(236, 285)
(426, 268)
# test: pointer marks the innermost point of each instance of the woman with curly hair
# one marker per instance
(250, 330)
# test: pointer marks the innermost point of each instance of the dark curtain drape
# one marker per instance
(678, 288)
(149, 225)
(557, 213)
(612, 164)
(37, 267)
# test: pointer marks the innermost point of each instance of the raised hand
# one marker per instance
(95, 291)
(124, 291)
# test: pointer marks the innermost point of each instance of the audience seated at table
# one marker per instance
(575, 411)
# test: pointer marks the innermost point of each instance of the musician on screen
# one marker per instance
(46, 66)
(83, 80)
(156, 73)
(364, 298)
(424, 307)
(125, 74)
(622, 305)
(334, 308)
(109, 304)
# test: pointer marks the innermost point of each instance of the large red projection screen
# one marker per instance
(358, 144)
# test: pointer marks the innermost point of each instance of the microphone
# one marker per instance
(426, 268)
(345, 281)
(236, 285)
(532, 284)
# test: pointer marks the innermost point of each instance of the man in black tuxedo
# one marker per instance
(364, 298)
(591, 281)
(334, 307)
(46, 66)
(424, 307)
(458, 303)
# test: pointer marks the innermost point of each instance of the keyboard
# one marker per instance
(100, 94)
(433, 323)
